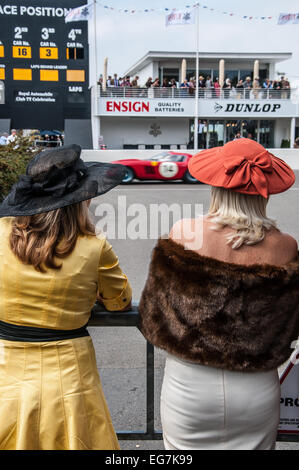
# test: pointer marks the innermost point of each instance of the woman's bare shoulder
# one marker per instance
(282, 245)
(183, 227)
(290, 243)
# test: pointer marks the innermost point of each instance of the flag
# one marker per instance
(181, 17)
(79, 14)
(288, 18)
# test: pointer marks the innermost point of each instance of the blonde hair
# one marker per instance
(38, 239)
(245, 214)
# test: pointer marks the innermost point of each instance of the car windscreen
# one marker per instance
(168, 158)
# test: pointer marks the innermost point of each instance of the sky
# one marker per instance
(124, 37)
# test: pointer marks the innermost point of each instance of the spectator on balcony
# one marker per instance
(109, 82)
(208, 86)
(152, 93)
(286, 88)
(184, 85)
(247, 87)
(149, 82)
(227, 87)
(126, 82)
(267, 85)
(192, 86)
(256, 87)
(134, 82)
(100, 81)
(201, 86)
(156, 83)
(217, 88)
(240, 89)
(165, 86)
(184, 88)
(173, 83)
(115, 81)
(276, 89)
(296, 143)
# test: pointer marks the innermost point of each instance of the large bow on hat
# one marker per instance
(245, 172)
(243, 166)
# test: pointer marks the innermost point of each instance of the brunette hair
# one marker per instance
(38, 239)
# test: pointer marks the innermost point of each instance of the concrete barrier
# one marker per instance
(290, 156)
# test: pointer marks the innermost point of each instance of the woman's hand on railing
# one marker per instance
(127, 308)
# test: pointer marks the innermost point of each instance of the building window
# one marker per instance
(213, 133)
(130, 147)
(216, 133)
(171, 73)
(266, 134)
(250, 129)
(263, 74)
(215, 74)
(233, 75)
(246, 73)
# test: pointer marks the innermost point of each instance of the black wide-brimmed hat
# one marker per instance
(58, 178)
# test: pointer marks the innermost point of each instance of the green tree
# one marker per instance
(13, 161)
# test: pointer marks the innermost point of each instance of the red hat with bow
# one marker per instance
(243, 166)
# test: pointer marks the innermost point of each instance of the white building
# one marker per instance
(161, 118)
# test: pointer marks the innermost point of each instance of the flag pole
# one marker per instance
(95, 39)
(95, 121)
(196, 113)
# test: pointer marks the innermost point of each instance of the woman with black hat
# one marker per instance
(52, 269)
(222, 299)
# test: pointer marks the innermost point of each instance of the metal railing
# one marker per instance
(102, 318)
(204, 93)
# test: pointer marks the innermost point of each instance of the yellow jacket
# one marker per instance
(60, 299)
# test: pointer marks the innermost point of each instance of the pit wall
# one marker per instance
(290, 156)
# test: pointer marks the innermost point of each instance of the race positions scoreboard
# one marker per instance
(44, 64)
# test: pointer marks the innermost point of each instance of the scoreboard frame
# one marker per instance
(44, 64)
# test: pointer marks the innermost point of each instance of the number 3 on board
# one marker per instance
(48, 53)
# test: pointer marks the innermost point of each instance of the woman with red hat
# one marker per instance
(225, 310)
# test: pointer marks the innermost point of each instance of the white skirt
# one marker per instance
(205, 408)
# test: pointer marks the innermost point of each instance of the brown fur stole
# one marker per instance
(220, 314)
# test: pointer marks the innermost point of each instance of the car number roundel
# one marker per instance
(168, 169)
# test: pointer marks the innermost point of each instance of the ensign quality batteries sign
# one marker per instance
(44, 64)
(114, 106)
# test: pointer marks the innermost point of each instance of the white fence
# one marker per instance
(290, 156)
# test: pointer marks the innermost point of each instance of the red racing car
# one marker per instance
(167, 166)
